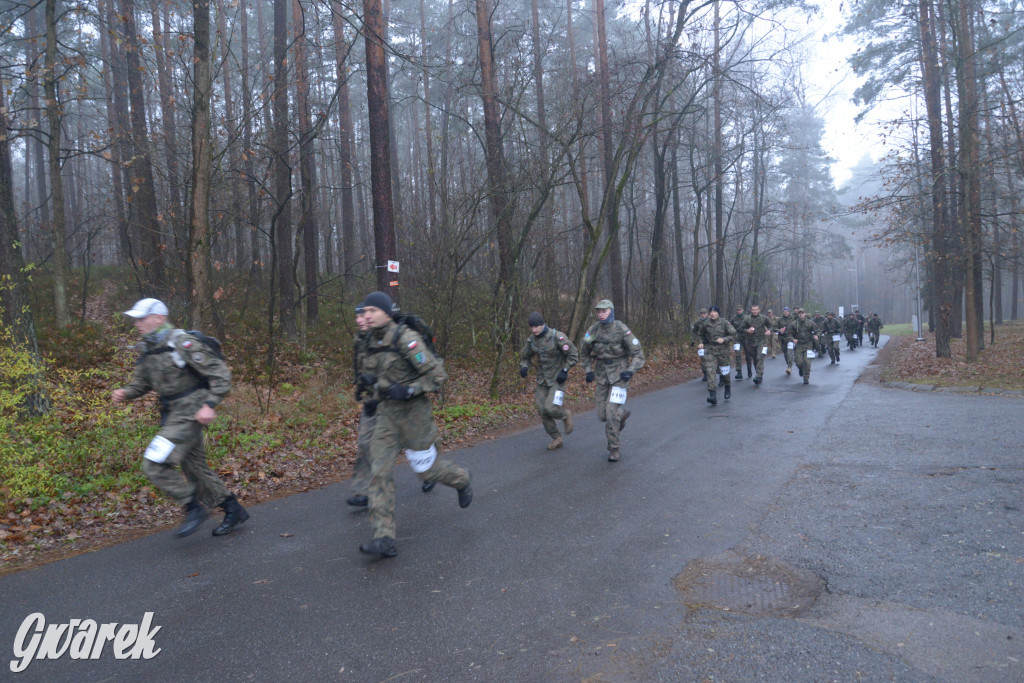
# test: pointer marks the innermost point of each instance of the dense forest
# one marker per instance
(276, 156)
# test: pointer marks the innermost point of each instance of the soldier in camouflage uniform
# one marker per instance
(555, 354)
(874, 325)
(739, 322)
(785, 335)
(772, 338)
(367, 416)
(805, 334)
(758, 335)
(191, 379)
(716, 338)
(831, 327)
(611, 355)
(401, 370)
(850, 326)
(695, 335)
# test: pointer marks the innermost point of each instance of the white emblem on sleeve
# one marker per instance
(159, 448)
(421, 461)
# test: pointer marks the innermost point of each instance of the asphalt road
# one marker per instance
(903, 509)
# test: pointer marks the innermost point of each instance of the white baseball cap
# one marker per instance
(144, 307)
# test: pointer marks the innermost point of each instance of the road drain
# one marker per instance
(748, 585)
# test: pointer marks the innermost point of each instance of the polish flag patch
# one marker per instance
(187, 344)
(412, 345)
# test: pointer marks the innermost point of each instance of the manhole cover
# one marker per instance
(748, 585)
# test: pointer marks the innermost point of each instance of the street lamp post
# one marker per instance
(856, 287)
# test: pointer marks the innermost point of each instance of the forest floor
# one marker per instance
(1000, 364)
(265, 445)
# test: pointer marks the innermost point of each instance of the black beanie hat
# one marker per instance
(379, 300)
(535, 319)
(716, 309)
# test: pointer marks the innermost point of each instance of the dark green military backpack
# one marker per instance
(420, 326)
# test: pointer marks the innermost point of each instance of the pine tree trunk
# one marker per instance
(199, 234)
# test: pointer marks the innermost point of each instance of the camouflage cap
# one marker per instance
(703, 310)
(604, 303)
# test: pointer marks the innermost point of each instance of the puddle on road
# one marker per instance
(757, 586)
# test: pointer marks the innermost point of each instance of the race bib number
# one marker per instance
(736, 347)
(559, 398)
(764, 350)
(421, 461)
(158, 450)
(790, 346)
(811, 354)
(700, 352)
(724, 369)
(617, 395)
(837, 337)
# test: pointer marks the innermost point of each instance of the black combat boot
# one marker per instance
(234, 514)
(466, 494)
(728, 391)
(739, 373)
(721, 380)
(750, 373)
(195, 515)
(713, 398)
(427, 486)
(358, 500)
(384, 546)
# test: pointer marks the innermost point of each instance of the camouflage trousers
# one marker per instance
(738, 357)
(544, 400)
(400, 425)
(714, 359)
(802, 361)
(608, 412)
(753, 352)
(361, 470)
(787, 352)
(195, 479)
(832, 347)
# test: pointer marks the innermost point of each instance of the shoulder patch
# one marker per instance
(197, 357)
(565, 347)
(636, 342)
(628, 331)
(420, 358)
(187, 344)
(412, 344)
(586, 337)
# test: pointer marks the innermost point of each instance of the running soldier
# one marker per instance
(555, 356)
(831, 332)
(188, 372)
(739, 322)
(716, 338)
(611, 356)
(805, 334)
(758, 334)
(785, 335)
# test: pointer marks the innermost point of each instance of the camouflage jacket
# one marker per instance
(181, 369)
(739, 323)
(783, 326)
(396, 354)
(874, 324)
(695, 327)
(851, 325)
(609, 349)
(760, 323)
(804, 331)
(831, 326)
(713, 329)
(553, 350)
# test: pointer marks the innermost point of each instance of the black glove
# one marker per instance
(523, 370)
(367, 380)
(626, 375)
(400, 392)
(360, 390)
(370, 408)
(590, 377)
(562, 376)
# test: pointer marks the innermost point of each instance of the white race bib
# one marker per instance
(700, 352)
(421, 461)
(158, 450)
(837, 337)
(811, 354)
(790, 346)
(617, 395)
(764, 350)
(736, 347)
(559, 398)
(724, 369)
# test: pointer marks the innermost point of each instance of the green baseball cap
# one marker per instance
(604, 303)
